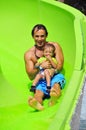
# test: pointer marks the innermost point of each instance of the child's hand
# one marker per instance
(49, 58)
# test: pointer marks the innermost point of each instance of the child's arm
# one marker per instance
(52, 61)
(40, 61)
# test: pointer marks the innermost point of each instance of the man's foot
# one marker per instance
(35, 104)
(53, 98)
(55, 93)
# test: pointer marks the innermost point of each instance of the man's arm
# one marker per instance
(29, 65)
(59, 56)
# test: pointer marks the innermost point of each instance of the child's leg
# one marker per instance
(48, 78)
(37, 78)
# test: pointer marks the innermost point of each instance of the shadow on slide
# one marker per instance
(67, 26)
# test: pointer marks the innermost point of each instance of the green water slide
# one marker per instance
(65, 25)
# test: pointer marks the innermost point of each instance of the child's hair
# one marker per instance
(50, 45)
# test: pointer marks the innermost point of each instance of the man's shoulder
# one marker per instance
(29, 53)
(56, 44)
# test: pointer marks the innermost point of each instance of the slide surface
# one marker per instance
(65, 25)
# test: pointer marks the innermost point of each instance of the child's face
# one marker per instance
(48, 51)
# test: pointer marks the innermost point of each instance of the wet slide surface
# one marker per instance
(16, 21)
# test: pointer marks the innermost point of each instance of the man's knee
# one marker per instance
(56, 88)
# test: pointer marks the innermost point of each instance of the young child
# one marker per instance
(48, 53)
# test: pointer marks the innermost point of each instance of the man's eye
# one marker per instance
(36, 36)
(42, 35)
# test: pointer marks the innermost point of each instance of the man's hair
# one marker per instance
(38, 27)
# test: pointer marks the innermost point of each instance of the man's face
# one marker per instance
(39, 37)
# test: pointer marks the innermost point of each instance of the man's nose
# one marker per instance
(39, 38)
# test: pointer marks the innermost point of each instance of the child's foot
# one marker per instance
(53, 98)
(33, 89)
(48, 89)
(35, 104)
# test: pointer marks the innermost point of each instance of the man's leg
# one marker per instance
(54, 94)
(36, 101)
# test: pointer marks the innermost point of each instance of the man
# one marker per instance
(39, 34)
